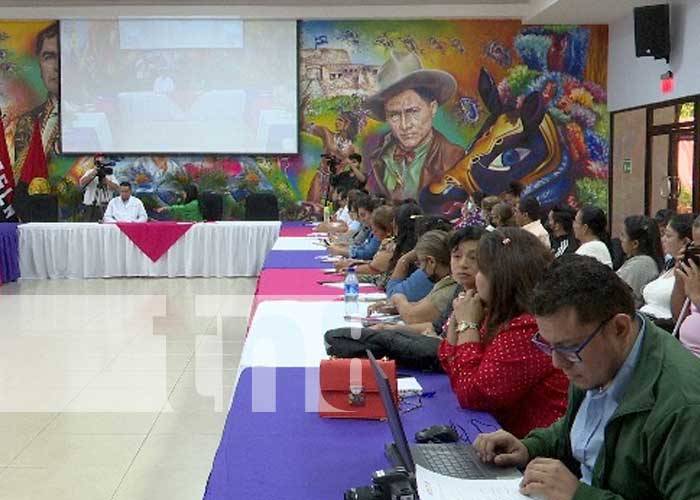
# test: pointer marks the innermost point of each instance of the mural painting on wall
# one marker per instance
(436, 109)
(439, 109)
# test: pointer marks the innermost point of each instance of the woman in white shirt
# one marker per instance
(641, 244)
(590, 228)
(657, 294)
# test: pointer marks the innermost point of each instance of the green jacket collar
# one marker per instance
(640, 391)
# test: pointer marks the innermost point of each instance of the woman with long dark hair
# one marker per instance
(405, 230)
(488, 353)
(657, 294)
(590, 228)
(641, 244)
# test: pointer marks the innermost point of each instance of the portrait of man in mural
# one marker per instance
(413, 154)
(46, 51)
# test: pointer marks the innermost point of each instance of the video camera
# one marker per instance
(332, 161)
(389, 484)
(104, 168)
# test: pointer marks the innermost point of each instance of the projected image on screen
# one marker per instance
(178, 86)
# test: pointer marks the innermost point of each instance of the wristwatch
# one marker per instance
(463, 326)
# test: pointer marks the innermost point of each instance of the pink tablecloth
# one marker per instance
(298, 284)
(154, 238)
(296, 230)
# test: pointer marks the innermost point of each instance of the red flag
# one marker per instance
(35, 162)
(7, 178)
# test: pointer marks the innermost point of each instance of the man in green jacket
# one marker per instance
(634, 401)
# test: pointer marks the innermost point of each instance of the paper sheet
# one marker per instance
(372, 297)
(341, 285)
(409, 385)
(328, 258)
(434, 486)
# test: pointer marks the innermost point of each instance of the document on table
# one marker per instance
(434, 486)
(372, 297)
(341, 285)
(409, 386)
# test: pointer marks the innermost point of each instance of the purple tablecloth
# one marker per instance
(9, 252)
(297, 259)
(294, 454)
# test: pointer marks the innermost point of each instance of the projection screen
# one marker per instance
(178, 86)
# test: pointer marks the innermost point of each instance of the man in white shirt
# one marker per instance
(99, 187)
(527, 215)
(125, 208)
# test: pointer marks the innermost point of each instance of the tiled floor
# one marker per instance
(116, 388)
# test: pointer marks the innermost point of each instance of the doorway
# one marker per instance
(655, 160)
(673, 158)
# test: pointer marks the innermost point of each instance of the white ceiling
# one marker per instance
(582, 11)
(52, 3)
(530, 11)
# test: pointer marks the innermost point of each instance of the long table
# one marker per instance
(274, 444)
(91, 250)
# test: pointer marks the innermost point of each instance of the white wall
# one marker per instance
(635, 81)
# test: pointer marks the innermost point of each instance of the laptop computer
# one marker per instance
(450, 459)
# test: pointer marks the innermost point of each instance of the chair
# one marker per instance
(43, 208)
(617, 254)
(261, 206)
(211, 205)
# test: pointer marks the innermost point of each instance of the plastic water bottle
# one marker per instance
(352, 293)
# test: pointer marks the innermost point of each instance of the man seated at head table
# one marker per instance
(125, 208)
(634, 398)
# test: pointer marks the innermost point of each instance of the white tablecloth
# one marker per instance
(290, 333)
(298, 243)
(91, 250)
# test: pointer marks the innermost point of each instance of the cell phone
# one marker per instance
(375, 320)
(368, 321)
(691, 252)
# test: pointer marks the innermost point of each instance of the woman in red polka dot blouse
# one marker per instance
(488, 354)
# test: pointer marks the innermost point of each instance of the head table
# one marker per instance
(91, 250)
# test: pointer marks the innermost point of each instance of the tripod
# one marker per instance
(95, 211)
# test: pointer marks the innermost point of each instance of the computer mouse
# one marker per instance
(437, 434)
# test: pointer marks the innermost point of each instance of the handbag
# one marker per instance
(415, 352)
(349, 389)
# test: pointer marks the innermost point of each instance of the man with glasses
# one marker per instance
(634, 401)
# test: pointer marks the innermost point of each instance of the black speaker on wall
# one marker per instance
(652, 34)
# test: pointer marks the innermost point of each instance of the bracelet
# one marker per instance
(463, 326)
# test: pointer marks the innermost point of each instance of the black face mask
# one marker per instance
(431, 277)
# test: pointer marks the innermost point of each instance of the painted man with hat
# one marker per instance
(413, 153)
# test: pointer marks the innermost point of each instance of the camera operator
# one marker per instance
(350, 173)
(99, 185)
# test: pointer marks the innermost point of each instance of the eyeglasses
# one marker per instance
(570, 354)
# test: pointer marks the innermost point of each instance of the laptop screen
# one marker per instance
(392, 414)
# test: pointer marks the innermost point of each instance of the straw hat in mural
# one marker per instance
(404, 71)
